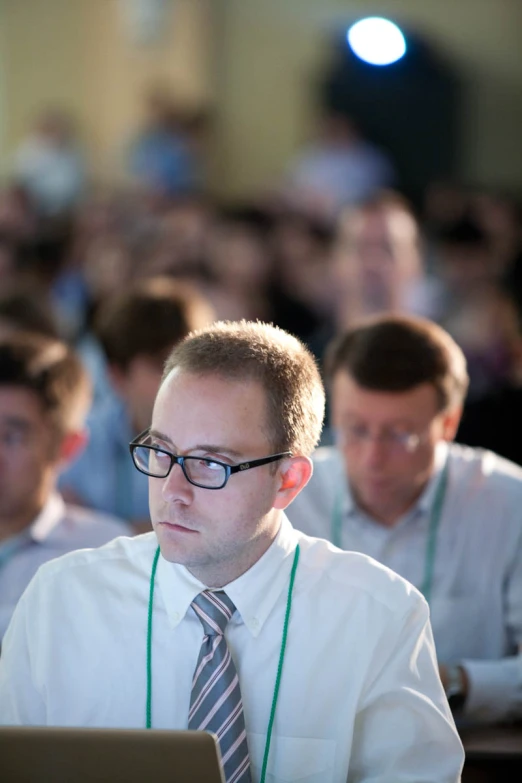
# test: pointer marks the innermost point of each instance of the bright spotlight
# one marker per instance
(376, 40)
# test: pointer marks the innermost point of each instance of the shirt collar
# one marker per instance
(425, 501)
(51, 514)
(254, 593)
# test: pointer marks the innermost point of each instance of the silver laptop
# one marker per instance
(62, 755)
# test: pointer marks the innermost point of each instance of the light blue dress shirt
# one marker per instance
(104, 477)
(476, 604)
(58, 529)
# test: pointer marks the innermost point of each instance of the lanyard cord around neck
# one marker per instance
(148, 711)
(433, 529)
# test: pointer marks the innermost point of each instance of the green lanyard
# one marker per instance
(433, 529)
(148, 717)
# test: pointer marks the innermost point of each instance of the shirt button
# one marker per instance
(254, 622)
(175, 616)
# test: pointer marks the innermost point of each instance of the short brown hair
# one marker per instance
(254, 351)
(148, 318)
(397, 353)
(52, 371)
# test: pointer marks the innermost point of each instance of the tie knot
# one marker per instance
(214, 609)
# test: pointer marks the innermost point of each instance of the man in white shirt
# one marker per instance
(329, 656)
(445, 517)
(44, 394)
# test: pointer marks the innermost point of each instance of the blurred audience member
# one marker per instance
(490, 420)
(44, 397)
(501, 219)
(445, 517)
(50, 166)
(137, 329)
(302, 291)
(377, 262)
(340, 168)
(26, 309)
(472, 306)
(239, 264)
(162, 159)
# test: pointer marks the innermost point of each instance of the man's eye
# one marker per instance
(161, 455)
(211, 465)
(14, 438)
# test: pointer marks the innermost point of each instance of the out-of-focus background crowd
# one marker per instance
(243, 151)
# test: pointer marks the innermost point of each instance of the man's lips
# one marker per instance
(178, 528)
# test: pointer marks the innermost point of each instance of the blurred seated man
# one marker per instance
(44, 398)
(137, 329)
(445, 517)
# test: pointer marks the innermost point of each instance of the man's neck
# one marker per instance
(219, 575)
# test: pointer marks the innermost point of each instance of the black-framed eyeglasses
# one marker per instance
(203, 472)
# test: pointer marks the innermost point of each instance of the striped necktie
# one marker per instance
(215, 701)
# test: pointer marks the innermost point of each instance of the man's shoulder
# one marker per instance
(342, 573)
(123, 554)
(477, 464)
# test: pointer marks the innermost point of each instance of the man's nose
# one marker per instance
(176, 486)
(376, 451)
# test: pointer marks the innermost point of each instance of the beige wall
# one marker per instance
(254, 60)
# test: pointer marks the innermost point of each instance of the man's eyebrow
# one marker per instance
(213, 448)
(159, 435)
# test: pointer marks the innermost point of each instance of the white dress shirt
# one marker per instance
(360, 697)
(476, 598)
(58, 529)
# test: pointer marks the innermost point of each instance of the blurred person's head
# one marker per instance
(377, 254)
(44, 396)
(445, 203)
(465, 257)
(180, 242)
(397, 389)
(138, 328)
(55, 126)
(161, 112)
(337, 129)
(23, 307)
(237, 249)
(500, 217)
(302, 249)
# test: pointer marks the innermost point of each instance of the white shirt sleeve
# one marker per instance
(404, 720)
(495, 686)
(20, 701)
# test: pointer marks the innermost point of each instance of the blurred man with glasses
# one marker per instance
(446, 517)
(304, 661)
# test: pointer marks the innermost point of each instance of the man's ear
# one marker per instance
(73, 443)
(450, 423)
(295, 474)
